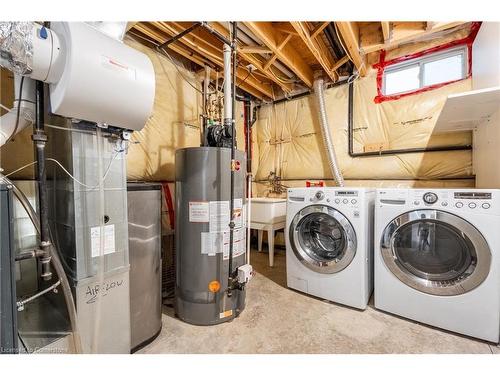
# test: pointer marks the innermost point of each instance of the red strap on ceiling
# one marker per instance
(382, 64)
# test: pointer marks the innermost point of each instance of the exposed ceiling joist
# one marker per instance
(272, 37)
(192, 56)
(284, 27)
(214, 55)
(404, 32)
(340, 62)
(318, 29)
(253, 49)
(317, 48)
(160, 37)
(386, 31)
(254, 60)
(350, 35)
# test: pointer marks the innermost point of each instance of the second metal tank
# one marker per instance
(202, 190)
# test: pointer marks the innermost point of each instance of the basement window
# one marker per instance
(428, 71)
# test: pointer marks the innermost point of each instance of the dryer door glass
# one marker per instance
(322, 239)
(436, 252)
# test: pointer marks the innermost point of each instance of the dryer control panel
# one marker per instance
(463, 200)
(479, 200)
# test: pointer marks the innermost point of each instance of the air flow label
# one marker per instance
(199, 212)
(109, 240)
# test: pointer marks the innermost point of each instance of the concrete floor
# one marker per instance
(280, 320)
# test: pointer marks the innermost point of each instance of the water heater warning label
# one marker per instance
(199, 212)
(219, 216)
(214, 243)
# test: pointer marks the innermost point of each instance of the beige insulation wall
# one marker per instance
(289, 139)
(175, 123)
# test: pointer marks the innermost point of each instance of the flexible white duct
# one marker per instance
(325, 131)
(26, 110)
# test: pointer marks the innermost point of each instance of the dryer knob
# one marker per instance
(320, 195)
(430, 198)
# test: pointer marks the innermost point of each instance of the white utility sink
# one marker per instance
(268, 210)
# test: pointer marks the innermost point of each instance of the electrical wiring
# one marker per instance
(5, 108)
(68, 173)
(356, 75)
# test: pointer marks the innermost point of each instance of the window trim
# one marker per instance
(421, 61)
(383, 64)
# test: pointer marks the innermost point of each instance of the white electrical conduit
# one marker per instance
(325, 131)
(26, 110)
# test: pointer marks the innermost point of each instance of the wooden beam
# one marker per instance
(386, 31)
(214, 55)
(271, 37)
(340, 62)
(405, 32)
(130, 25)
(160, 38)
(255, 61)
(284, 27)
(315, 32)
(253, 49)
(350, 34)
(317, 48)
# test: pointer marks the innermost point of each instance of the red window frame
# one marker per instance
(383, 64)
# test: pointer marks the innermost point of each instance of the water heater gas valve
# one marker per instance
(245, 273)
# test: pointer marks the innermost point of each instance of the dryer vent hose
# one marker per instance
(325, 131)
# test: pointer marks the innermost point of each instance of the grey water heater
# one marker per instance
(202, 190)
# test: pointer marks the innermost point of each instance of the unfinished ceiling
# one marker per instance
(278, 59)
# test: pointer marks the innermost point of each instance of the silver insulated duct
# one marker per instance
(325, 131)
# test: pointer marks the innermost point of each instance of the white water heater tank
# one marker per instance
(102, 80)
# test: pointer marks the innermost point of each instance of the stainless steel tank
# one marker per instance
(202, 191)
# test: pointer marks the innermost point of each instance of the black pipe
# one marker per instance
(215, 33)
(233, 162)
(40, 140)
(180, 35)
(350, 115)
(248, 129)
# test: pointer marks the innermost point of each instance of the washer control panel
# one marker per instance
(463, 200)
(341, 198)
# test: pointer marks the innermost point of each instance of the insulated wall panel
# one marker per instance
(290, 142)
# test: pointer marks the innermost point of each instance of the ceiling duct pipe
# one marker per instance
(325, 131)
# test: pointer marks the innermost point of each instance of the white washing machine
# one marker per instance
(329, 243)
(437, 258)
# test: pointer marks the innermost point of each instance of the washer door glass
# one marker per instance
(323, 239)
(436, 252)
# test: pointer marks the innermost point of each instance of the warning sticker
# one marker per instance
(238, 213)
(213, 243)
(109, 240)
(225, 314)
(219, 216)
(199, 212)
